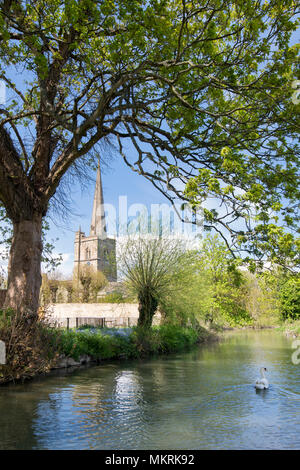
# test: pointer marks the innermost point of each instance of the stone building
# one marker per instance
(96, 249)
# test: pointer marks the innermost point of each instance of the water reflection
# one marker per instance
(203, 399)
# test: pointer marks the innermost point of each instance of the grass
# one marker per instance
(129, 342)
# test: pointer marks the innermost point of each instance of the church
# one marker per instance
(97, 249)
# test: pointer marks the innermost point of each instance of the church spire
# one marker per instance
(98, 225)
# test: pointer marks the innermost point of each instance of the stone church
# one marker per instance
(96, 249)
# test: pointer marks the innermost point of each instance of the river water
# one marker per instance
(202, 399)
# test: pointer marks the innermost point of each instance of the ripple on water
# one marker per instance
(198, 400)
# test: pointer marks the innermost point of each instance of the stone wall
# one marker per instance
(114, 314)
(2, 296)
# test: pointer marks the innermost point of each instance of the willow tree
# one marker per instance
(202, 90)
(153, 270)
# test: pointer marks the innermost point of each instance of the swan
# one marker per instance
(262, 383)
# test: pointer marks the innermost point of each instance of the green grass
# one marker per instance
(98, 344)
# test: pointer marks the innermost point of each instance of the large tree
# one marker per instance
(201, 89)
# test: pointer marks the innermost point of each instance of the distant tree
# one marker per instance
(98, 282)
(90, 281)
(85, 277)
(289, 297)
(203, 91)
(221, 286)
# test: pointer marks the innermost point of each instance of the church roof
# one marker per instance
(98, 224)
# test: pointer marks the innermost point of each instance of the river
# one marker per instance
(201, 399)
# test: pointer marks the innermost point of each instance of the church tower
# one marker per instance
(96, 250)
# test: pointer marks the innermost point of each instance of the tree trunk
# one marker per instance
(147, 308)
(24, 269)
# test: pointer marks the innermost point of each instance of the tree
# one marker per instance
(221, 286)
(151, 268)
(92, 282)
(49, 258)
(202, 91)
(289, 297)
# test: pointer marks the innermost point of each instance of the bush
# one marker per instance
(135, 342)
(31, 346)
(289, 297)
(167, 338)
(97, 343)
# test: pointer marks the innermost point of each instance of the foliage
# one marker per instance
(273, 296)
(213, 290)
(88, 285)
(205, 94)
(289, 297)
(222, 285)
(103, 344)
(261, 300)
(290, 328)
(152, 267)
(98, 282)
(95, 343)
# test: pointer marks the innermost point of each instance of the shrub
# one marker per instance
(289, 297)
(31, 346)
(116, 343)
(96, 343)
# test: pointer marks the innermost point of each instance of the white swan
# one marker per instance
(262, 383)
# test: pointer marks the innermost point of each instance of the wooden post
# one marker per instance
(68, 323)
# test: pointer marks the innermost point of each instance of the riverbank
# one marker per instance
(86, 345)
(291, 329)
(38, 349)
(288, 328)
